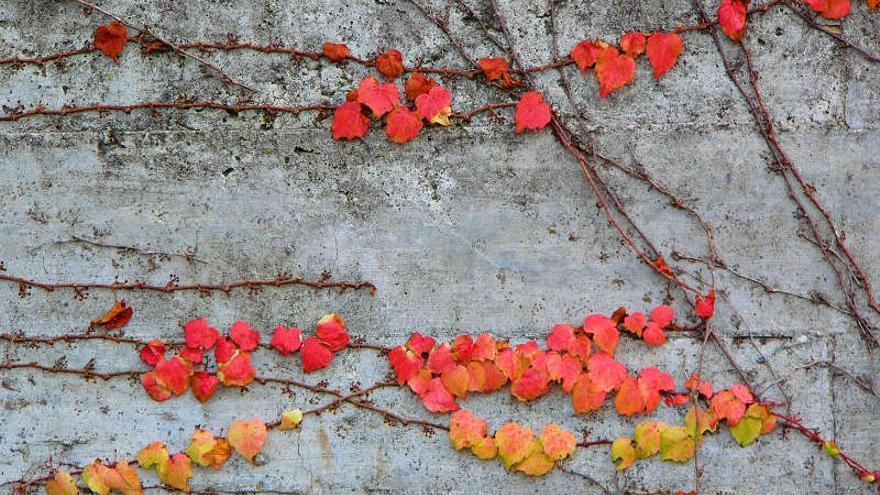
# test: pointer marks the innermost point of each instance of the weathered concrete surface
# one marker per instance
(471, 228)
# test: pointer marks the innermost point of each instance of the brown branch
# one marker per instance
(145, 30)
(187, 255)
(811, 21)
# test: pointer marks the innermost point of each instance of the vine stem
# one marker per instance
(322, 283)
(145, 30)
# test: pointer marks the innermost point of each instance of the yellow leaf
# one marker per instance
(176, 471)
(290, 419)
(484, 448)
(154, 454)
(61, 484)
(676, 445)
(513, 442)
(647, 438)
(623, 451)
(537, 463)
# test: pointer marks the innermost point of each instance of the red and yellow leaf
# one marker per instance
(332, 333)
(248, 437)
(435, 106)
(116, 317)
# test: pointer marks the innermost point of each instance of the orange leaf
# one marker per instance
(381, 99)
(872, 4)
(390, 64)
(556, 442)
(418, 84)
(630, 399)
(633, 44)
(494, 68)
(613, 71)
(402, 125)
(532, 112)
(61, 484)
(531, 385)
(111, 39)
(485, 376)
(586, 396)
(465, 429)
(663, 50)
(585, 55)
(248, 437)
(514, 443)
(336, 52)
(732, 18)
(635, 322)
(484, 348)
(456, 379)
(537, 463)
(435, 106)
(115, 317)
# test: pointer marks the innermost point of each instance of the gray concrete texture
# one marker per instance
(466, 229)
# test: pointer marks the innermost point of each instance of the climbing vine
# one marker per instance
(579, 358)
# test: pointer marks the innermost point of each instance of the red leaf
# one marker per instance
(111, 39)
(153, 352)
(732, 18)
(349, 122)
(158, 392)
(405, 363)
(484, 348)
(531, 385)
(705, 306)
(245, 337)
(560, 338)
(832, 9)
(605, 373)
(603, 330)
(418, 84)
(336, 52)
(401, 125)
(456, 379)
(635, 322)
(663, 50)
(742, 393)
(653, 334)
(191, 354)
(633, 44)
(331, 332)
(613, 71)
(419, 343)
(494, 68)
(204, 385)
(585, 55)
(238, 371)
(199, 335)
(532, 112)
(462, 348)
(440, 358)
(286, 339)
(436, 398)
(315, 355)
(703, 387)
(381, 99)
(390, 64)
(662, 315)
(173, 374)
(662, 266)
(564, 369)
(435, 106)
(116, 317)
(224, 350)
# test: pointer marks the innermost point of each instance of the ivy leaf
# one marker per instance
(872, 4)
(485, 376)
(633, 44)
(201, 444)
(663, 50)
(116, 317)
(606, 373)
(585, 54)
(111, 39)
(315, 355)
(613, 71)
(203, 385)
(485, 448)
(238, 371)
(224, 351)
(586, 396)
(402, 125)
(245, 337)
(465, 429)
(630, 399)
(61, 484)
(390, 64)
(331, 332)
(623, 451)
(494, 68)
(699, 421)
(381, 99)
(561, 337)
(742, 393)
(435, 106)
(726, 405)
(336, 52)
(484, 348)
(176, 472)
(349, 122)
(418, 84)
(456, 379)
(537, 463)
(831, 9)
(173, 374)
(732, 18)
(647, 438)
(635, 322)
(290, 419)
(420, 344)
(286, 339)
(153, 352)
(532, 112)
(436, 398)
(248, 437)
(705, 306)
(514, 443)
(662, 315)
(746, 431)
(405, 363)
(531, 385)
(557, 443)
(701, 386)
(198, 335)
(154, 454)
(101, 479)
(440, 357)
(676, 445)
(604, 332)
(564, 369)
(653, 335)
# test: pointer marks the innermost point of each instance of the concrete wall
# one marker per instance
(471, 228)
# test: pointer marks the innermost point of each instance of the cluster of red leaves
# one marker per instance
(732, 14)
(171, 377)
(746, 419)
(614, 69)
(374, 100)
(516, 445)
(441, 374)
(245, 437)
